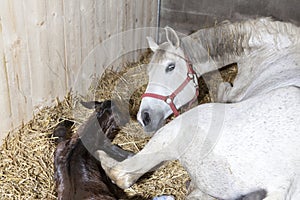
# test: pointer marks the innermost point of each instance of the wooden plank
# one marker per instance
(5, 106)
(101, 32)
(72, 39)
(31, 58)
(87, 37)
(46, 50)
(55, 44)
(17, 69)
(36, 29)
(87, 26)
(150, 20)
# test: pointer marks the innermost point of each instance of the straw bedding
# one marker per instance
(26, 159)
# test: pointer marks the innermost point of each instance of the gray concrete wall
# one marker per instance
(189, 15)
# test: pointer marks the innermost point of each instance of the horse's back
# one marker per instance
(265, 70)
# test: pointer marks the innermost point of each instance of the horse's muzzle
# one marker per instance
(150, 120)
(146, 118)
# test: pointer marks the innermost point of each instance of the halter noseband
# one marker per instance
(191, 76)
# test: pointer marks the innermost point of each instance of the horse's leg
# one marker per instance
(255, 195)
(294, 190)
(126, 173)
(283, 190)
(197, 194)
(169, 143)
(223, 91)
(275, 196)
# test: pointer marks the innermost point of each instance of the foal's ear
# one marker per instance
(91, 104)
(172, 37)
(152, 44)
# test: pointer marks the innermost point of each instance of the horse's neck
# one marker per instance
(228, 43)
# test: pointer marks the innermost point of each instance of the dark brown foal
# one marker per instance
(78, 174)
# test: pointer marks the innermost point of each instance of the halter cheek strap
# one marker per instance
(167, 99)
(191, 76)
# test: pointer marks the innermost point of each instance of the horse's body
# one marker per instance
(228, 149)
(266, 51)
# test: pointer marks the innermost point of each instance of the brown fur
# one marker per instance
(78, 174)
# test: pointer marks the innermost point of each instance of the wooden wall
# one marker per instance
(44, 44)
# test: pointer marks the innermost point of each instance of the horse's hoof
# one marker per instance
(112, 169)
(123, 179)
(164, 197)
(106, 161)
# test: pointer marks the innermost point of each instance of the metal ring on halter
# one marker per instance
(195, 80)
(190, 75)
(168, 100)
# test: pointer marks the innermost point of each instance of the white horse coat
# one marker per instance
(232, 149)
(228, 149)
(266, 51)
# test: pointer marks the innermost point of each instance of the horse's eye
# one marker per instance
(170, 67)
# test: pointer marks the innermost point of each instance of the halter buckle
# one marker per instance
(195, 80)
(169, 100)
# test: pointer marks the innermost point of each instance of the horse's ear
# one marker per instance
(152, 44)
(91, 104)
(172, 37)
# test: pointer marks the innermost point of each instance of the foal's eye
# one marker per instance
(170, 67)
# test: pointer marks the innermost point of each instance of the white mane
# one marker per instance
(230, 42)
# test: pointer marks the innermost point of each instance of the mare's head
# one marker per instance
(172, 83)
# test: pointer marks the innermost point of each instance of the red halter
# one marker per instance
(191, 76)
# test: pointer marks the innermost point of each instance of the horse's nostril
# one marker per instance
(146, 118)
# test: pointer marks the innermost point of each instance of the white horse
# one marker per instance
(232, 149)
(229, 150)
(267, 53)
